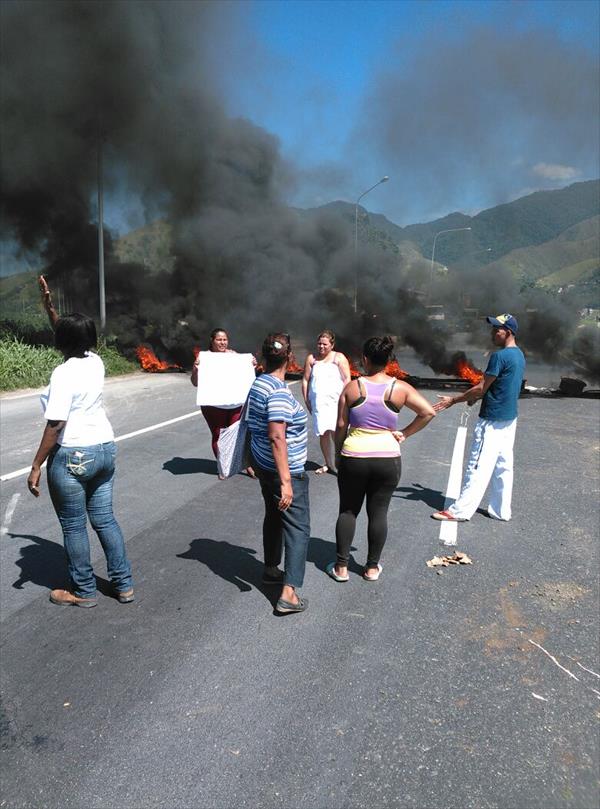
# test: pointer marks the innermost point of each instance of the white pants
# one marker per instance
(491, 458)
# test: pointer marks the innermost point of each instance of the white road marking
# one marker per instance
(8, 515)
(157, 426)
(449, 529)
(588, 670)
(553, 659)
(26, 469)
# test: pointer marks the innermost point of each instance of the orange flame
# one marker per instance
(150, 362)
(466, 371)
(293, 367)
(393, 369)
(354, 372)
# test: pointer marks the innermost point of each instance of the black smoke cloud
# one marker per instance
(131, 76)
(139, 78)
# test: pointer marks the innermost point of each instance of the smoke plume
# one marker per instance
(132, 82)
(127, 77)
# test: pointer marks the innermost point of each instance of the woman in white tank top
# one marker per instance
(326, 373)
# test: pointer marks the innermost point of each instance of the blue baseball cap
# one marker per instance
(504, 322)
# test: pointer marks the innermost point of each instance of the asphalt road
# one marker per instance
(476, 688)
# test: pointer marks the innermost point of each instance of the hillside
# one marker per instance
(578, 246)
(525, 222)
(550, 238)
(149, 246)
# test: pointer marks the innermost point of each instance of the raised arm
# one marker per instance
(47, 301)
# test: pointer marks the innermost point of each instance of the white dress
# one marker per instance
(325, 387)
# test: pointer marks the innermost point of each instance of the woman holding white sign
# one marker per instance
(223, 378)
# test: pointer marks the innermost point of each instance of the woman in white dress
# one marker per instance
(326, 373)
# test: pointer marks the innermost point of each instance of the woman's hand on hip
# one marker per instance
(286, 496)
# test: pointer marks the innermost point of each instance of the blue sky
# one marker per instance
(309, 72)
(465, 105)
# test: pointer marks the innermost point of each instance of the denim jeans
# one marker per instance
(289, 528)
(80, 482)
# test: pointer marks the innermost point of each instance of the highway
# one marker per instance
(477, 687)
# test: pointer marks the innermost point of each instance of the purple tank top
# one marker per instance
(373, 414)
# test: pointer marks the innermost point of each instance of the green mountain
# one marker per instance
(549, 238)
(531, 220)
(572, 256)
(149, 246)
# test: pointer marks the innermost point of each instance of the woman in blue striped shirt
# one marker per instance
(277, 424)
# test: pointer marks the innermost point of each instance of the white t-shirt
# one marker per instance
(74, 395)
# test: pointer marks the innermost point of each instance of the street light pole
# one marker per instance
(364, 193)
(439, 233)
(101, 239)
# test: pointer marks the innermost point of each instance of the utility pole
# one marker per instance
(101, 238)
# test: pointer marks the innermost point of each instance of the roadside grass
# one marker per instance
(25, 366)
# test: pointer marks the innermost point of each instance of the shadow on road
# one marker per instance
(234, 563)
(416, 492)
(190, 466)
(322, 551)
(44, 563)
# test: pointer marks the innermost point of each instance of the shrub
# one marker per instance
(25, 366)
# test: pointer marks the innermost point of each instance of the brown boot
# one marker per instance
(66, 599)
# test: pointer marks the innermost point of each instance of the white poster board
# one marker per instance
(224, 379)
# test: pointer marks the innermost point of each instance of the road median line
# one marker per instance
(26, 469)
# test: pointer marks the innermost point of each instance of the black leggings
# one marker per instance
(376, 478)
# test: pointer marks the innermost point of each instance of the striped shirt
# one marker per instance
(270, 399)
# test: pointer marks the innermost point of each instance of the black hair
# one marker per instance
(379, 350)
(276, 350)
(75, 334)
(214, 333)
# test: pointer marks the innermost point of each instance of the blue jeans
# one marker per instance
(289, 528)
(80, 482)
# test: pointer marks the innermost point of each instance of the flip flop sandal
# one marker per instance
(330, 570)
(322, 470)
(373, 576)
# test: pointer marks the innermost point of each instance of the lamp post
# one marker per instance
(101, 239)
(364, 193)
(439, 233)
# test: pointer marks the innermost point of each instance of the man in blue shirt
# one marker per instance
(491, 456)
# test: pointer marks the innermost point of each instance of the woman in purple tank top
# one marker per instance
(367, 443)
